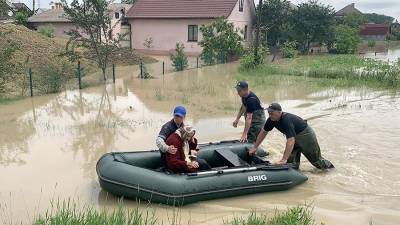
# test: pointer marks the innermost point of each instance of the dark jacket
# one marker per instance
(176, 162)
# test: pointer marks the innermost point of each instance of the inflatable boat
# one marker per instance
(140, 175)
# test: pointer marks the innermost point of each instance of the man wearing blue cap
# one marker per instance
(253, 113)
(169, 128)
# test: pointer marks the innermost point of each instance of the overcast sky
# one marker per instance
(387, 7)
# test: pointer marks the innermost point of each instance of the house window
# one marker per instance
(241, 2)
(245, 33)
(116, 15)
(192, 32)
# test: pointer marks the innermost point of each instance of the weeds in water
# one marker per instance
(298, 215)
(68, 213)
(341, 69)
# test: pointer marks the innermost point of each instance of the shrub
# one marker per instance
(179, 59)
(53, 78)
(371, 43)
(289, 49)
(247, 61)
(7, 67)
(220, 41)
(346, 40)
(46, 30)
(21, 18)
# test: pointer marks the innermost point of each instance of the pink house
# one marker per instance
(157, 25)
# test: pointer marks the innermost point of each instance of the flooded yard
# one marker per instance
(49, 145)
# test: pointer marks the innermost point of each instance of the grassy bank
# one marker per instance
(68, 213)
(331, 70)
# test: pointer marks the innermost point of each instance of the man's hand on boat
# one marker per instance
(281, 162)
(243, 138)
(193, 165)
(235, 123)
(193, 152)
(172, 149)
(252, 151)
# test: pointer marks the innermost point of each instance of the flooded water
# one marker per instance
(391, 55)
(49, 145)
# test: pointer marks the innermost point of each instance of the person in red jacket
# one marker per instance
(183, 140)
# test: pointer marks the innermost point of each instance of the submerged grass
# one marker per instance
(298, 215)
(69, 213)
(333, 70)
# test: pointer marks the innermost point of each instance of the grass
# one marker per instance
(298, 215)
(68, 213)
(332, 70)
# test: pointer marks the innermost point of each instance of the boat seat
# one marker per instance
(231, 158)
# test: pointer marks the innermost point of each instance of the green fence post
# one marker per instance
(79, 75)
(30, 81)
(141, 70)
(113, 72)
(197, 62)
(163, 68)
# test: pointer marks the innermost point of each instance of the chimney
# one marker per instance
(353, 5)
(58, 5)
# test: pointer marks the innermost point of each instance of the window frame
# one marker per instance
(115, 15)
(245, 33)
(191, 31)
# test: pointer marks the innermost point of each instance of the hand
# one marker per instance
(252, 151)
(193, 152)
(193, 165)
(243, 138)
(172, 150)
(235, 123)
(281, 162)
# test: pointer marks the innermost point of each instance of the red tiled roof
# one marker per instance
(375, 29)
(181, 8)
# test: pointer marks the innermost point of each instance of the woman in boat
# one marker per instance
(183, 140)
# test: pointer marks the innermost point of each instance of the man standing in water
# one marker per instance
(300, 138)
(253, 113)
(169, 128)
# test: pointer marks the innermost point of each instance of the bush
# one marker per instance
(289, 49)
(346, 40)
(53, 78)
(21, 18)
(7, 67)
(46, 30)
(220, 42)
(179, 59)
(247, 61)
(371, 43)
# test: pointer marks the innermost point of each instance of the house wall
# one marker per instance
(167, 32)
(241, 19)
(374, 37)
(59, 28)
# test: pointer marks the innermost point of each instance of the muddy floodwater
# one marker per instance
(49, 145)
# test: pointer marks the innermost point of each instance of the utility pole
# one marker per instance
(33, 6)
(256, 60)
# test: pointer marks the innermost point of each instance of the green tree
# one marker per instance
(346, 40)
(128, 1)
(378, 18)
(179, 59)
(275, 16)
(220, 41)
(355, 20)
(92, 32)
(21, 18)
(312, 22)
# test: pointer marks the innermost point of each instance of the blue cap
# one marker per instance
(180, 111)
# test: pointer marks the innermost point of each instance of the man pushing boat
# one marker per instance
(300, 138)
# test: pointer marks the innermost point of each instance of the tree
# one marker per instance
(220, 41)
(354, 20)
(312, 22)
(93, 31)
(274, 17)
(179, 59)
(378, 18)
(128, 1)
(346, 40)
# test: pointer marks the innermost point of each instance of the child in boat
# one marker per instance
(183, 139)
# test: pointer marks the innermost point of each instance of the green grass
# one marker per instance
(332, 70)
(69, 213)
(5, 101)
(298, 215)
